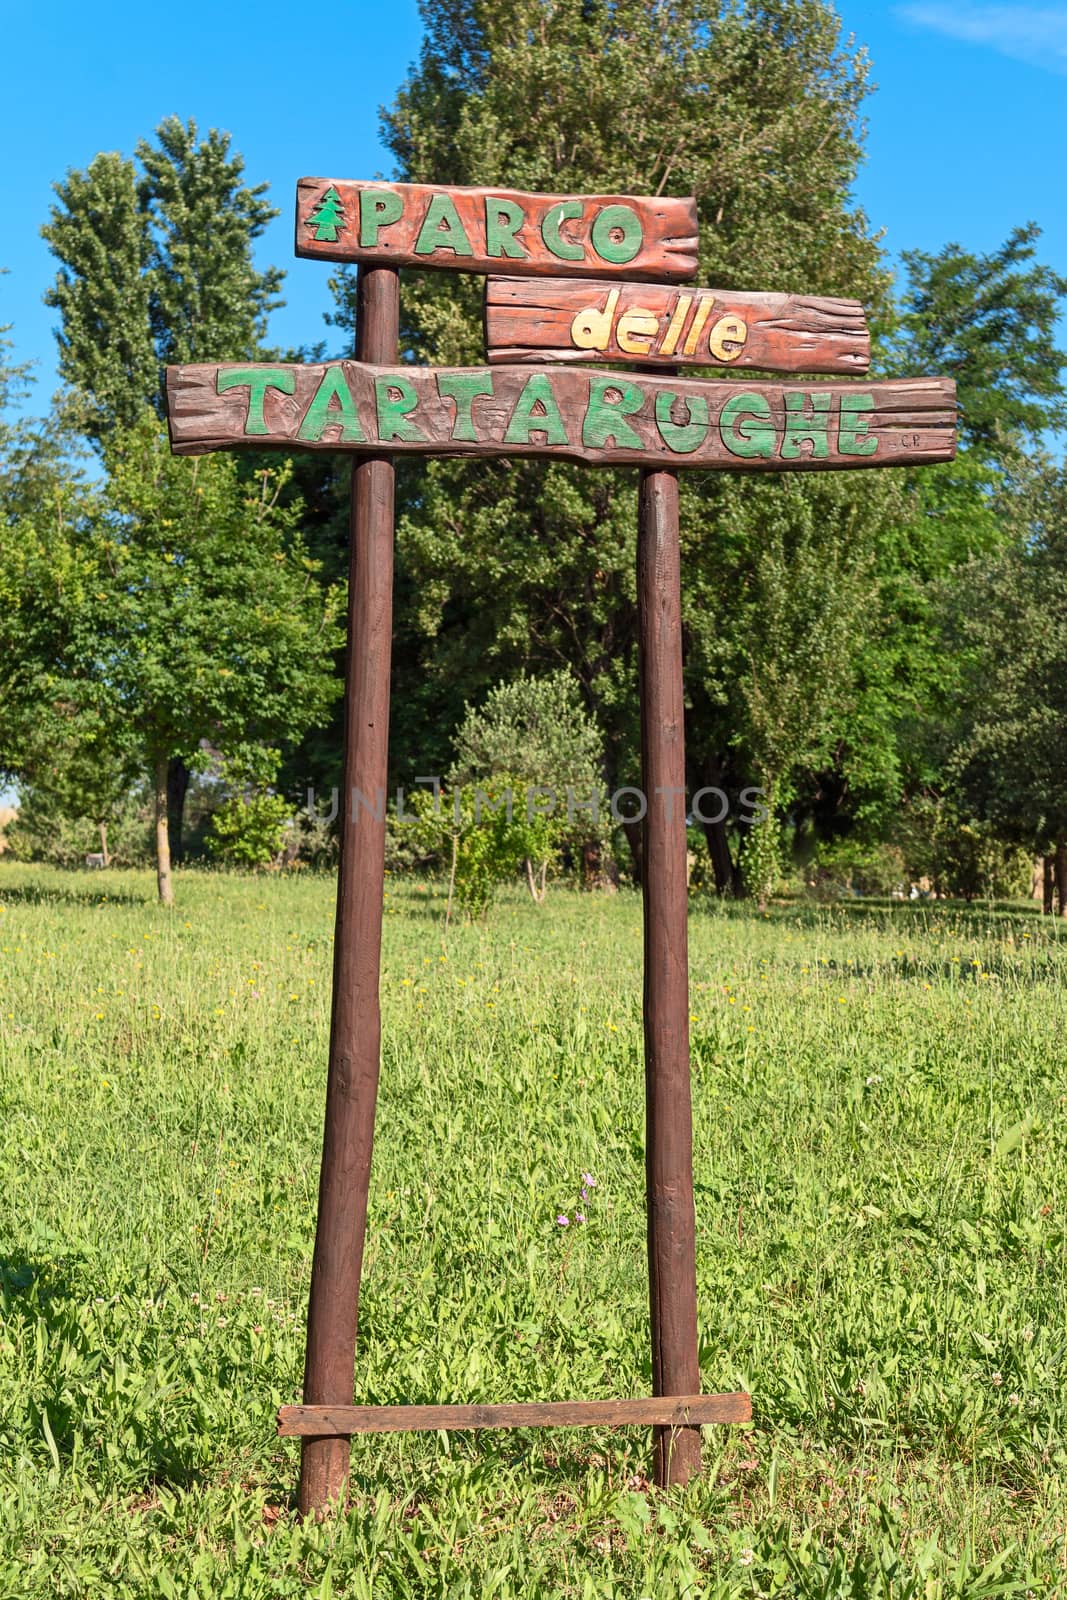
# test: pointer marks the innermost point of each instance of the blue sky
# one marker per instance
(966, 128)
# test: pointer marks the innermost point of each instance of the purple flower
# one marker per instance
(588, 1181)
(579, 1216)
(563, 1221)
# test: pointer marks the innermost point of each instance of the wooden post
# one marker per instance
(355, 1028)
(668, 1111)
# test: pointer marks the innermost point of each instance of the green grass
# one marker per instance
(879, 1099)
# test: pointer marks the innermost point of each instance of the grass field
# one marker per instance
(879, 1101)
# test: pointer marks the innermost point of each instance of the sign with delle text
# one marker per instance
(569, 319)
(492, 230)
(572, 413)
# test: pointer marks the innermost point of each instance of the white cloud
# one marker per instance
(1036, 34)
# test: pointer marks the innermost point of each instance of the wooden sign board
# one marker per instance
(486, 230)
(571, 319)
(571, 413)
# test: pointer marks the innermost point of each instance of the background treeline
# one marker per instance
(883, 654)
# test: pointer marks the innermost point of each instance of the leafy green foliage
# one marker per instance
(170, 606)
(156, 267)
(213, 627)
(534, 728)
(53, 828)
(989, 322)
(483, 833)
(102, 291)
(1009, 629)
(207, 300)
(49, 594)
(538, 733)
(249, 828)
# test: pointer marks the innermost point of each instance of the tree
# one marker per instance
(207, 622)
(46, 584)
(102, 293)
(1008, 627)
(207, 300)
(798, 575)
(249, 828)
(156, 267)
(511, 567)
(84, 770)
(536, 734)
(989, 322)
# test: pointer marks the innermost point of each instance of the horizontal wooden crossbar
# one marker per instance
(665, 1410)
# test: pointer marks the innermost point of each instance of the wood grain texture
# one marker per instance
(689, 1410)
(493, 230)
(569, 413)
(572, 319)
(355, 1021)
(671, 1220)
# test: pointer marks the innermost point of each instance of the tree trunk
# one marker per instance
(635, 838)
(163, 878)
(103, 843)
(596, 872)
(1048, 885)
(727, 876)
(177, 788)
(722, 865)
(1061, 872)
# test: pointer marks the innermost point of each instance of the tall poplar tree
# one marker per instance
(155, 265)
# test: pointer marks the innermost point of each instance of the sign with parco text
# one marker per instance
(495, 230)
(571, 413)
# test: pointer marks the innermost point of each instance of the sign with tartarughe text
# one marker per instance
(575, 319)
(571, 413)
(496, 230)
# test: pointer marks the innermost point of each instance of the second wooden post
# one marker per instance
(668, 1110)
(355, 1026)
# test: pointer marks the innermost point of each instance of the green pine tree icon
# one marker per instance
(328, 217)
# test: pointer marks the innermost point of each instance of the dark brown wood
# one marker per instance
(355, 1027)
(573, 319)
(493, 230)
(668, 1114)
(691, 1410)
(569, 413)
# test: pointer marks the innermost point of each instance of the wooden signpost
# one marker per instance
(619, 302)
